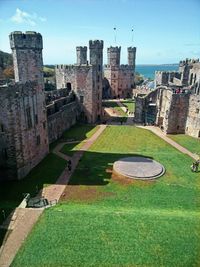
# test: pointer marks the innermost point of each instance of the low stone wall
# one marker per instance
(62, 120)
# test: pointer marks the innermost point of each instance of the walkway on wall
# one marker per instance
(25, 218)
(162, 135)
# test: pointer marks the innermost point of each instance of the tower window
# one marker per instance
(38, 140)
(81, 99)
(36, 119)
(29, 120)
(2, 128)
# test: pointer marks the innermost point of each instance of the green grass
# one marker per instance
(130, 104)
(69, 149)
(78, 132)
(139, 224)
(189, 142)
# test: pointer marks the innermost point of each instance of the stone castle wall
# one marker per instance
(24, 123)
(62, 120)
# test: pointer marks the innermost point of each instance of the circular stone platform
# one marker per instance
(138, 168)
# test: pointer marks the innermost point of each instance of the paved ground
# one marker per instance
(138, 168)
(23, 225)
(23, 219)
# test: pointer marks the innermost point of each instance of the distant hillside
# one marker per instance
(6, 66)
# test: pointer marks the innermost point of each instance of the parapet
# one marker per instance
(131, 49)
(96, 44)
(115, 49)
(81, 48)
(27, 40)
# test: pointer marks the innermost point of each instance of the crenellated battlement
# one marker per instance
(116, 49)
(96, 44)
(27, 40)
(131, 49)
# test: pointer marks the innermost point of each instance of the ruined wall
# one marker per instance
(193, 116)
(175, 119)
(62, 120)
(23, 116)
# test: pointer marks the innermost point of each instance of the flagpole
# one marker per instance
(132, 35)
(114, 34)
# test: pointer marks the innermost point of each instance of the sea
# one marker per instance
(148, 71)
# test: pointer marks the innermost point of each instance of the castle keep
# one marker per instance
(85, 80)
(119, 77)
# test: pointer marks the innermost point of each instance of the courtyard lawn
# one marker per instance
(189, 142)
(130, 104)
(108, 221)
(78, 132)
(115, 107)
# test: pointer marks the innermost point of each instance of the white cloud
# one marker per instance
(27, 18)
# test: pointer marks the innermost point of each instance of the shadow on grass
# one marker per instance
(93, 168)
(78, 132)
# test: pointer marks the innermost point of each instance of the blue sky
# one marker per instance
(164, 31)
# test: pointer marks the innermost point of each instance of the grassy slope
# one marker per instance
(191, 143)
(130, 104)
(140, 224)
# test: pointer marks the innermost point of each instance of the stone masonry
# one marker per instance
(85, 80)
(119, 77)
(23, 120)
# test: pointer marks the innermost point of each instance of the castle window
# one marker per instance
(2, 128)
(99, 67)
(29, 120)
(69, 86)
(36, 119)
(113, 75)
(38, 140)
(81, 99)
(197, 110)
(98, 78)
(44, 125)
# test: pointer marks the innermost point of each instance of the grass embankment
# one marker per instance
(114, 222)
(189, 142)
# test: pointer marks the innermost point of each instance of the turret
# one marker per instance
(96, 52)
(81, 53)
(131, 56)
(113, 54)
(27, 56)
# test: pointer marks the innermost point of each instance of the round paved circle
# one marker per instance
(138, 168)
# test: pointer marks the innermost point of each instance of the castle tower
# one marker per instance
(96, 60)
(27, 56)
(81, 53)
(113, 54)
(28, 109)
(131, 56)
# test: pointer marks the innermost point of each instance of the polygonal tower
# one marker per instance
(81, 53)
(27, 56)
(96, 60)
(131, 56)
(113, 54)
